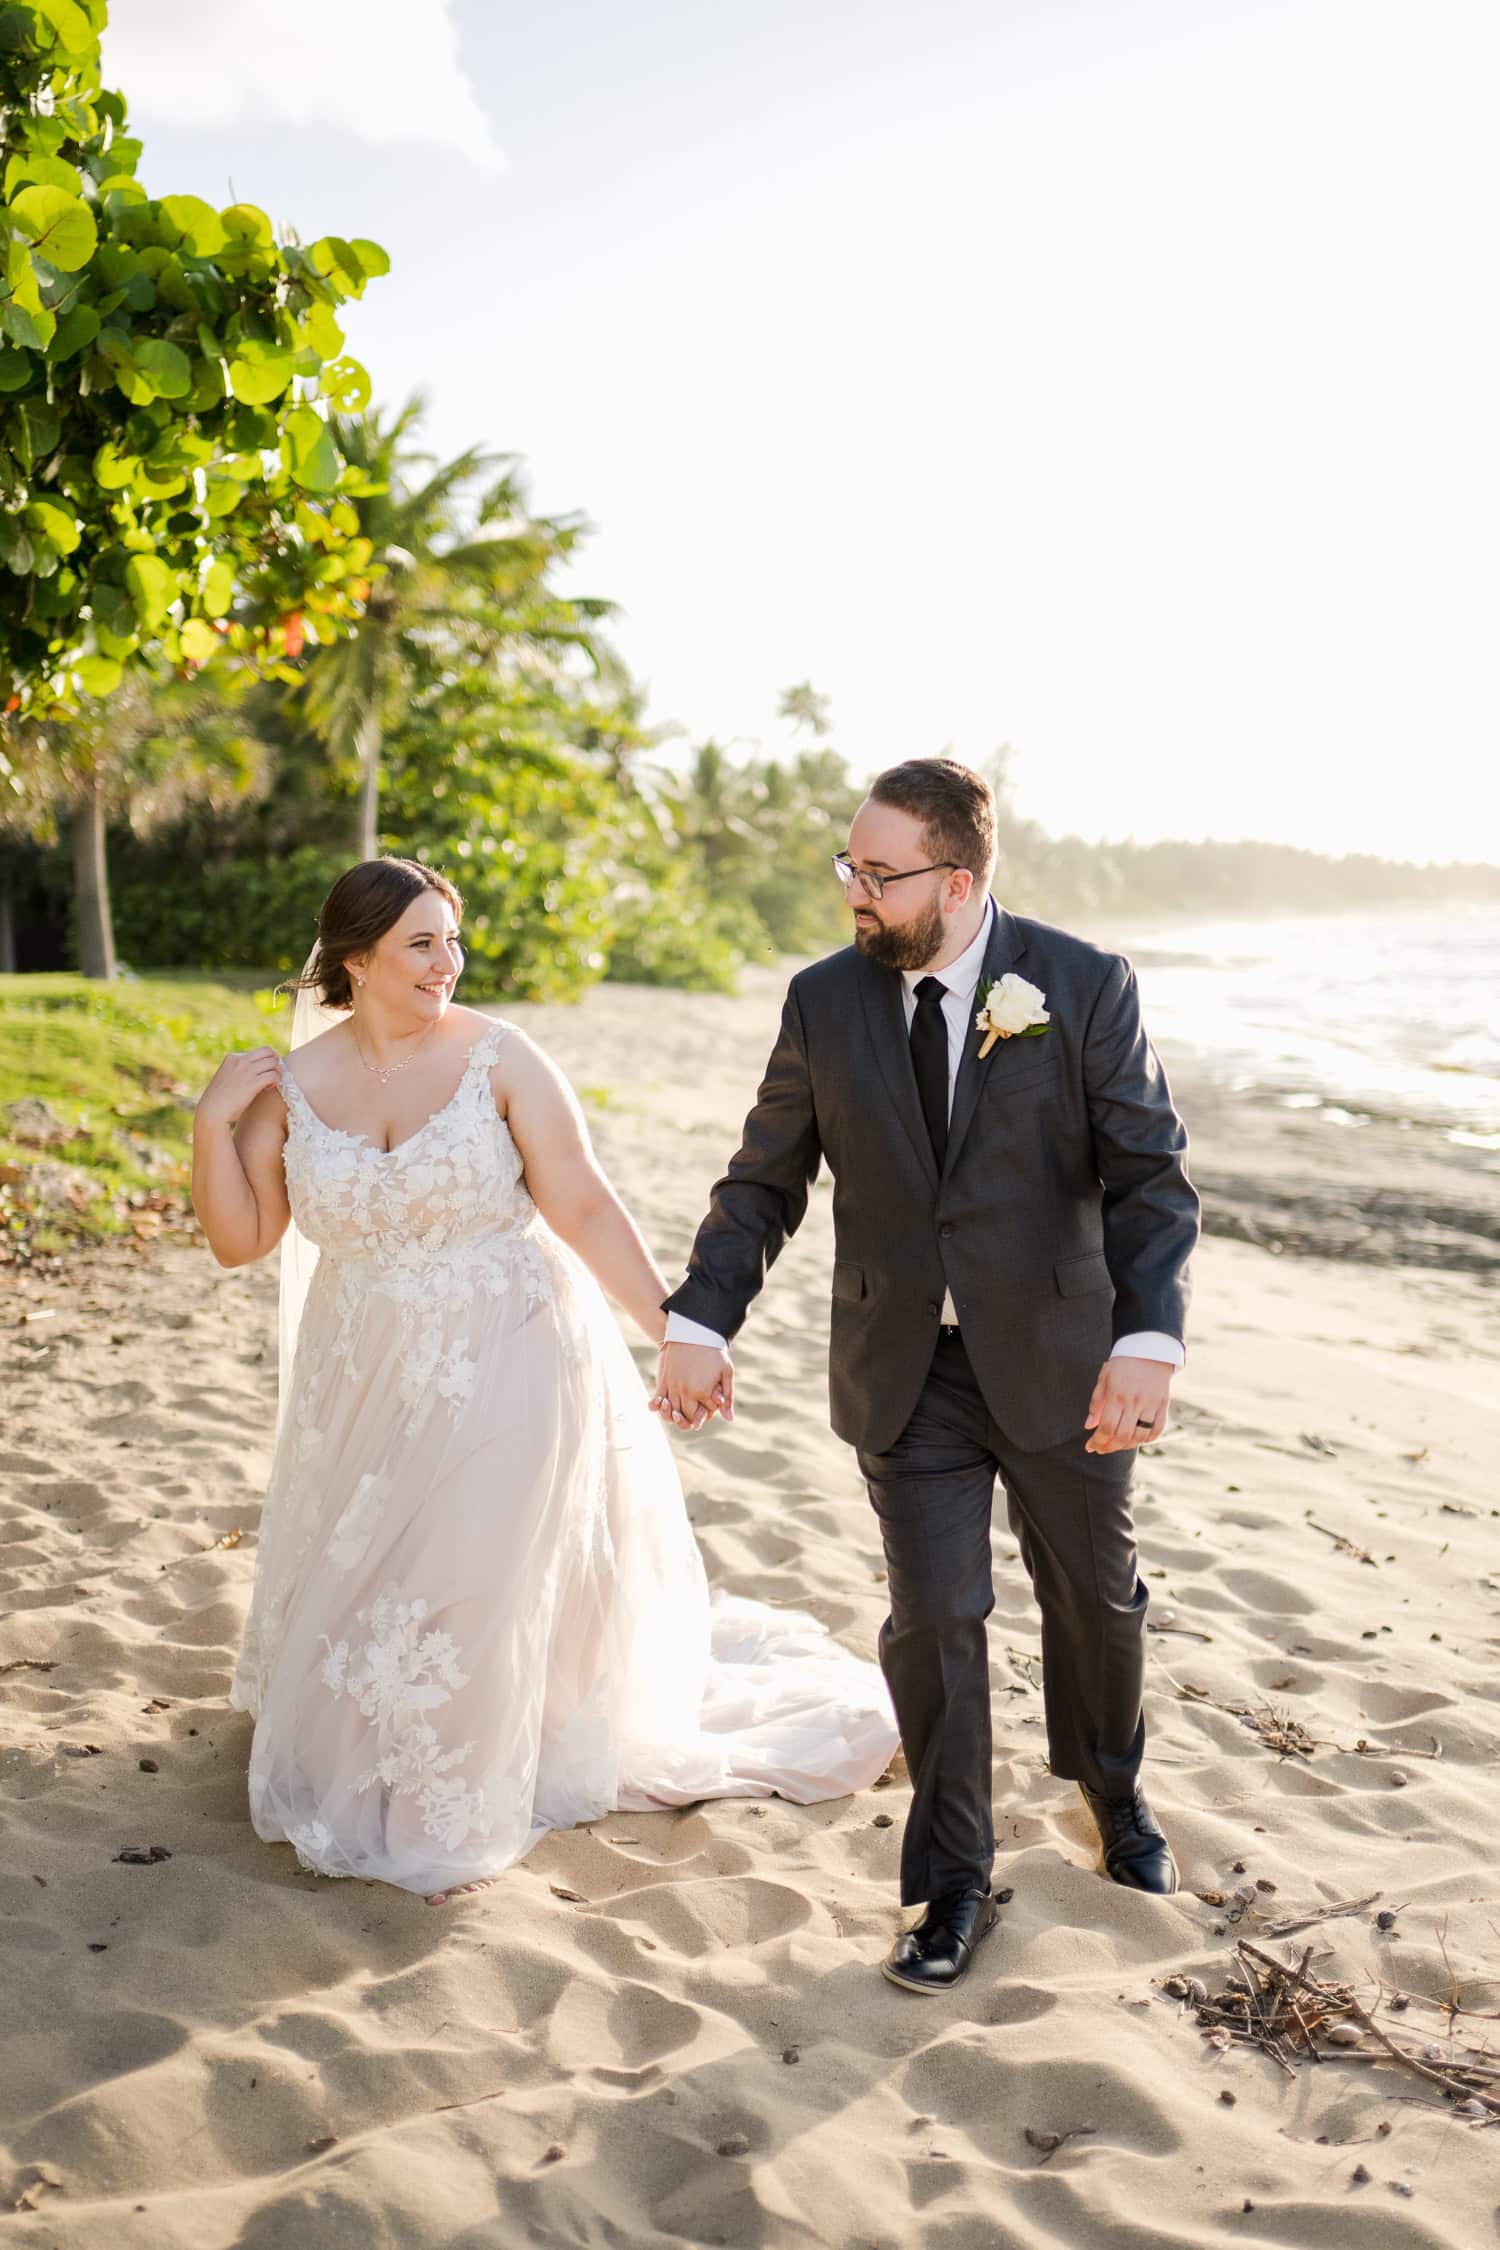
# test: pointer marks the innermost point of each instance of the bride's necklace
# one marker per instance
(387, 1071)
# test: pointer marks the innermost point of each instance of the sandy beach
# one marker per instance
(669, 2028)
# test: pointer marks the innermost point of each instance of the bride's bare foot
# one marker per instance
(441, 1898)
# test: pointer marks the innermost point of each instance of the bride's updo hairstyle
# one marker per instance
(364, 903)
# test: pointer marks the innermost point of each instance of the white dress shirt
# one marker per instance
(961, 977)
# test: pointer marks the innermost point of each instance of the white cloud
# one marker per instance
(385, 69)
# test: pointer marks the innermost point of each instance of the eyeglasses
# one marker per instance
(873, 885)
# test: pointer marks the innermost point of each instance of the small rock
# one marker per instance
(1197, 1991)
(1003, 1898)
(1398, 2001)
(790, 2055)
(1226, 2097)
(142, 1855)
(1383, 2128)
(324, 2142)
(1385, 1919)
(1264, 1883)
(1360, 2176)
(882, 1820)
(149, 1765)
(1237, 1867)
(32, 1120)
(1245, 1893)
(1402, 2187)
(733, 2144)
(552, 2154)
(1432, 2053)
(1470, 2108)
(1398, 1781)
(1343, 2035)
(97, 1947)
(1247, 2205)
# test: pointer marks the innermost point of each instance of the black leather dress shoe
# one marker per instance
(932, 1956)
(1136, 1853)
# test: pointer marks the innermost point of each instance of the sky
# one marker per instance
(1112, 380)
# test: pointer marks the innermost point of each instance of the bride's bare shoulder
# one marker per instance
(316, 1057)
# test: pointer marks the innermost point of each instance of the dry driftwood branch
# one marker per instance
(1317, 1914)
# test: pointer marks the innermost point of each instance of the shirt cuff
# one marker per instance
(1147, 1345)
(681, 1330)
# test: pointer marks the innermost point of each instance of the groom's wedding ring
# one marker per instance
(1143, 1425)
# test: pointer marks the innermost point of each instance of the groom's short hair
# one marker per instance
(955, 806)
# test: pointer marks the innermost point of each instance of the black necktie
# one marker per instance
(929, 1054)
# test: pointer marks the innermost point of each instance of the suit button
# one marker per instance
(946, 1229)
(934, 1308)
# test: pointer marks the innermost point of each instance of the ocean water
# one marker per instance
(1393, 1014)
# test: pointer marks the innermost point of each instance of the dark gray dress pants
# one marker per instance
(1070, 1514)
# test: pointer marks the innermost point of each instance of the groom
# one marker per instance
(1013, 1221)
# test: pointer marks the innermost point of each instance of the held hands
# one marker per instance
(235, 1084)
(1129, 1405)
(693, 1383)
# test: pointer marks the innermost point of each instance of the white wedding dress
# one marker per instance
(479, 1608)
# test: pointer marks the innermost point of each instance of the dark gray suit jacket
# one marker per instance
(1063, 1218)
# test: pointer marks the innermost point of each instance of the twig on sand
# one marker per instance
(1344, 1546)
(1319, 1914)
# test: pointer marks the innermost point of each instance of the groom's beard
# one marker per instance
(909, 946)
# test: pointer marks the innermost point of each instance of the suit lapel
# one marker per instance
(1005, 948)
(880, 991)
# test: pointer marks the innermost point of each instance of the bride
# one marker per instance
(479, 1609)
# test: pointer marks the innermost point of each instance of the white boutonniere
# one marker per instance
(1010, 1009)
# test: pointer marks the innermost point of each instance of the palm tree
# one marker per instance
(142, 754)
(459, 573)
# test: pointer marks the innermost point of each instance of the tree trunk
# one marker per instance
(367, 741)
(96, 937)
(7, 917)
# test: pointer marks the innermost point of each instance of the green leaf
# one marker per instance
(202, 230)
(168, 370)
(55, 524)
(114, 614)
(371, 257)
(199, 640)
(259, 374)
(35, 329)
(151, 587)
(218, 588)
(16, 550)
(309, 452)
(346, 386)
(322, 332)
(48, 171)
(244, 224)
(223, 496)
(15, 371)
(70, 26)
(61, 226)
(115, 470)
(75, 332)
(98, 675)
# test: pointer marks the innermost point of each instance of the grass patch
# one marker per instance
(120, 1067)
